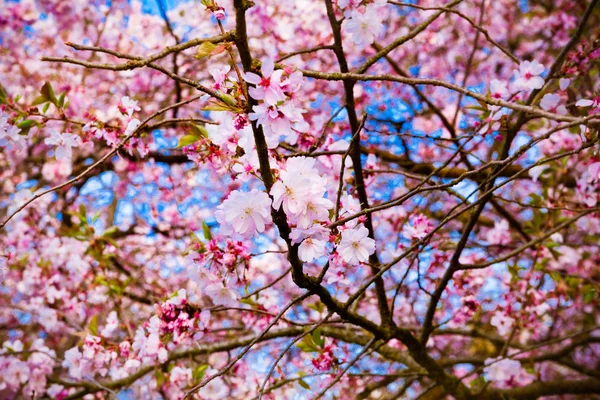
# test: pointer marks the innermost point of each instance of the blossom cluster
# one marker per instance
(279, 111)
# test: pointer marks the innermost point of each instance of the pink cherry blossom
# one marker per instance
(64, 143)
(527, 77)
(219, 75)
(499, 234)
(267, 87)
(502, 322)
(418, 227)
(364, 27)
(356, 245)
(245, 212)
(127, 106)
(221, 295)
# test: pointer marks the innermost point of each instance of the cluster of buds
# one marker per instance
(176, 316)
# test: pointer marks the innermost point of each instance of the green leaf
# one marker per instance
(229, 100)
(589, 296)
(159, 377)
(48, 93)
(218, 107)
(306, 348)
(96, 216)
(195, 238)
(93, 325)
(26, 124)
(3, 95)
(206, 231)
(187, 140)
(61, 99)
(318, 338)
(479, 381)
(304, 384)
(199, 372)
(204, 50)
(248, 301)
(39, 100)
(199, 130)
(308, 345)
(46, 107)
(109, 232)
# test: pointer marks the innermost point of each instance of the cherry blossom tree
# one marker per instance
(299, 199)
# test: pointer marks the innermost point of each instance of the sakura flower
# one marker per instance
(506, 373)
(346, 3)
(291, 194)
(245, 212)
(283, 120)
(179, 298)
(325, 360)
(356, 245)
(536, 172)
(219, 14)
(132, 366)
(17, 373)
(502, 322)
(221, 295)
(550, 102)
(316, 209)
(64, 142)
(418, 228)
(269, 299)
(316, 231)
(15, 346)
(594, 172)
(11, 134)
(310, 249)
(219, 75)
(594, 103)
(128, 106)
(204, 320)
(72, 361)
(132, 126)
(3, 123)
(267, 87)
(498, 90)
(527, 77)
(499, 234)
(557, 238)
(364, 27)
(564, 83)
(112, 324)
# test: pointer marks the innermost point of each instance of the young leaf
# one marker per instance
(3, 95)
(39, 100)
(200, 372)
(48, 93)
(195, 238)
(318, 338)
(187, 140)
(218, 107)
(206, 231)
(304, 384)
(229, 100)
(199, 130)
(61, 99)
(93, 326)
(28, 123)
(204, 50)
